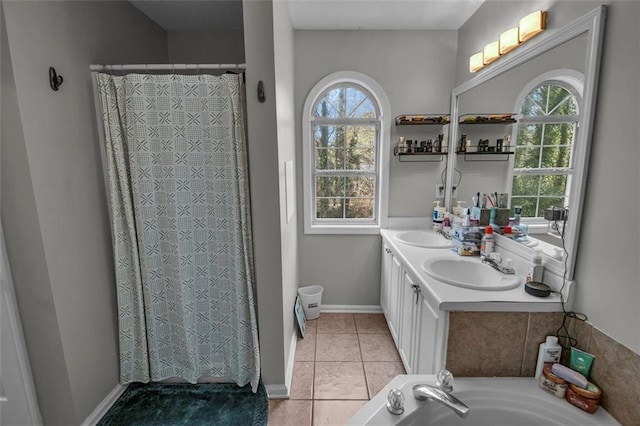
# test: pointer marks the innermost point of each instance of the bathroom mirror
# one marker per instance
(499, 88)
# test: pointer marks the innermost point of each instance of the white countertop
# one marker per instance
(448, 297)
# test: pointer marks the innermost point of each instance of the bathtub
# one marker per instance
(492, 401)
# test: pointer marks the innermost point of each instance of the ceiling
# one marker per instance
(208, 15)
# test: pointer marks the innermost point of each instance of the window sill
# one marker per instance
(343, 229)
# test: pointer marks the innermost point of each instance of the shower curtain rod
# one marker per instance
(166, 67)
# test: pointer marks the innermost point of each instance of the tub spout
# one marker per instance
(432, 393)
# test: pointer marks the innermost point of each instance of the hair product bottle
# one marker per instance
(549, 352)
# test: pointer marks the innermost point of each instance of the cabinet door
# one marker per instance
(426, 339)
(394, 300)
(385, 274)
(407, 315)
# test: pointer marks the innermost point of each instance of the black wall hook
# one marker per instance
(55, 80)
(262, 97)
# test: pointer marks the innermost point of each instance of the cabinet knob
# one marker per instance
(387, 250)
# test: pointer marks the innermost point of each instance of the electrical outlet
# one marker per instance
(439, 190)
(454, 192)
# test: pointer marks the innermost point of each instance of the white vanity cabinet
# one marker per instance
(390, 289)
(416, 327)
(407, 321)
(428, 352)
(421, 330)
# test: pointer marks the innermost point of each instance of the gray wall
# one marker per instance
(264, 169)
(206, 47)
(607, 266)
(53, 202)
(416, 69)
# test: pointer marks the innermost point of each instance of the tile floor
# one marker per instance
(341, 363)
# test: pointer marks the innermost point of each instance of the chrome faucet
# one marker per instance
(495, 261)
(441, 393)
(444, 234)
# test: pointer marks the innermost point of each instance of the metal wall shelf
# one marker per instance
(500, 118)
(421, 119)
(411, 157)
(485, 155)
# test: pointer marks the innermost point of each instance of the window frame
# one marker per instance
(572, 81)
(346, 226)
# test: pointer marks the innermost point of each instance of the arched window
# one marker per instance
(544, 144)
(343, 133)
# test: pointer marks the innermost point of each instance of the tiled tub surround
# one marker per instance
(340, 364)
(505, 344)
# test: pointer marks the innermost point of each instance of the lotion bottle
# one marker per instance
(438, 215)
(536, 269)
(549, 353)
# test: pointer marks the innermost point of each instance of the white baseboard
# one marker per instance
(104, 405)
(282, 391)
(277, 391)
(351, 309)
(292, 358)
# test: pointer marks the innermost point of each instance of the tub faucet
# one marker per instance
(441, 393)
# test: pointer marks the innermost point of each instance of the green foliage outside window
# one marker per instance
(345, 155)
(543, 149)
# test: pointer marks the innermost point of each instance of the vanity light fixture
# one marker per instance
(532, 25)
(476, 62)
(509, 40)
(491, 52)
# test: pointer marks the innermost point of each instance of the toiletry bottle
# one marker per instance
(517, 212)
(507, 143)
(446, 223)
(549, 352)
(488, 242)
(508, 232)
(466, 216)
(463, 143)
(458, 209)
(536, 269)
(438, 216)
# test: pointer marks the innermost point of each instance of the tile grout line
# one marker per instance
(313, 387)
(364, 372)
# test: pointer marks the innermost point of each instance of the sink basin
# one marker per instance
(469, 274)
(427, 239)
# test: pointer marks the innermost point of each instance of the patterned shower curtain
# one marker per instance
(178, 188)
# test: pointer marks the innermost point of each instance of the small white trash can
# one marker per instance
(311, 298)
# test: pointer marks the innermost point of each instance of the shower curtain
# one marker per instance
(180, 216)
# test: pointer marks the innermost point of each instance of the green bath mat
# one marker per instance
(187, 404)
